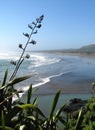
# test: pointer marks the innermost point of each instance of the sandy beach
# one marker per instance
(73, 75)
(70, 83)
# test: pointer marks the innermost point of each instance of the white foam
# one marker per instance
(39, 60)
(9, 55)
(44, 81)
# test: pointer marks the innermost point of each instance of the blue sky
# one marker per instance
(67, 23)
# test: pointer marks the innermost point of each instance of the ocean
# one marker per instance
(47, 66)
(43, 66)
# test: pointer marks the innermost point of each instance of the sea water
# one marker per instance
(44, 66)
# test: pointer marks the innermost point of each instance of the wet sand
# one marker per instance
(70, 83)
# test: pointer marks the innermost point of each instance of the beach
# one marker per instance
(76, 87)
(68, 84)
(73, 74)
(53, 71)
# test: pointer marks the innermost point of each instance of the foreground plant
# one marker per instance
(51, 123)
(34, 26)
(7, 108)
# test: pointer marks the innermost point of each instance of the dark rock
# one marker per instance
(74, 105)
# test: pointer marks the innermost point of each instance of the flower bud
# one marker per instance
(13, 62)
(30, 26)
(41, 18)
(39, 26)
(33, 42)
(26, 34)
(20, 46)
(34, 23)
(27, 56)
(37, 19)
(35, 32)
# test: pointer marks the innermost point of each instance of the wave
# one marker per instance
(8, 56)
(44, 81)
(38, 60)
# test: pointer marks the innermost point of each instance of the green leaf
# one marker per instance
(5, 78)
(33, 119)
(31, 106)
(22, 127)
(12, 113)
(59, 112)
(3, 121)
(35, 101)
(78, 119)
(54, 104)
(6, 128)
(18, 80)
(61, 119)
(2, 88)
(35, 89)
(29, 95)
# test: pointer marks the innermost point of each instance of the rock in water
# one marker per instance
(74, 105)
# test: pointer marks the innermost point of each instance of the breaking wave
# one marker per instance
(39, 60)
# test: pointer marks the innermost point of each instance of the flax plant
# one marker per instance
(34, 26)
(7, 108)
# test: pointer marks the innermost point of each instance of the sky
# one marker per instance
(67, 23)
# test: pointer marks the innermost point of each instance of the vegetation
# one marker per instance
(89, 49)
(17, 115)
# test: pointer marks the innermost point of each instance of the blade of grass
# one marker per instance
(54, 104)
(5, 78)
(79, 116)
(12, 113)
(31, 106)
(35, 101)
(22, 127)
(6, 128)
(3, 121)
(29, 94)
(18, 80)
(61, 120)
(59, 112)
(33, 119)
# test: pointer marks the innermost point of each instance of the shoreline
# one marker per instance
(78, 81)
(66, 53)
(66, 84)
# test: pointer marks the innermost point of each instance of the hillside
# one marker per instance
(84, 49)
(88, 49)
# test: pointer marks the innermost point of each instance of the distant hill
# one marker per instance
(87, 49)
(84, 49)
